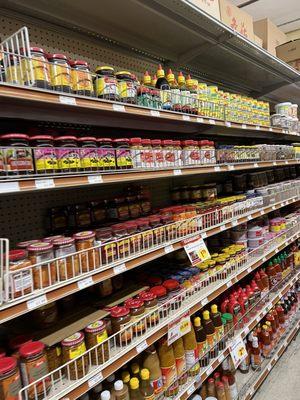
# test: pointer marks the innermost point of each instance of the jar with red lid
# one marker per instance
(137, 311)
(151, 304)
(17, 154)
(67, 265)
(10, 380)
(156, 225)
(169, 153)
(178, 153)
(118, 210)
(34, 367)
(122, 240)
(146, 232)
(158, 154)
(108, 247)
(44, 274)
(162, 297)
(147, 158)
(191, 152)
(136, 150)
(106, 154)
(73, 347)
(90, 258)
(44, 154)
(208, 152)
(135, 238)
(35, 70)
(123, 154)
(120, 318)
(60, 73)
(169, 227)
(173, 288)
(89, 157)
(81, 77)
(96, 335)
(20, 277)
(68, 153)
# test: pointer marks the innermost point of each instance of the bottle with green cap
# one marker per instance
(229, 324)
(135, 393)
(211, 335)
(201, 343)
(146, 389)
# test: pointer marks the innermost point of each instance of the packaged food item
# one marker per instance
(21, 282)
(211, 335)
(126, 87)
(89, 154)
(17, 154)
(106, 154)
(105, 82)
(35, 70)
(68, 153)
(191, 352)
(137, 310)
(81, 78)
(44, 274)
(60, 73)
(180, 360)
(90, 258)
(151, 362)
(10, 381)
(145, 387)
(120, 317)
(123, 154)
(150, 303)
(202, 345)
(134, 391)
(72, 347)
(95, 334)
(68, 266)
(45, 316)
(44, 153)
(121, 391)
(168, 367)
(54, 358)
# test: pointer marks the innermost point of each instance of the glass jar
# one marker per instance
(168, 153)
(126, 87)
(72, 347)
(137, 311)
(81, 78)
(68, 153)
(191, 152)
(35, 70)
(123, 154)
(135, 238)
(105, 82)
(173, 288)
(17, 154)
(108, 250)
(158, 154)
(89, 156)
(122, 242)
(46, 316)
(34, 366)
(98, 212)
(44, 274)
(10, 380)
(147, 158)
(60, 73)
(20, 282)
(136, 150)
(178, 153)
(146, 232)
(118, 209)
(134, 206)
(158, 229)
(120, 318)
(68, 266)
(151, 304)
(44, 153)
(207, 151)
(161, 294)
(106, 154)
(89, 259)
(54, 359)
(95, 334)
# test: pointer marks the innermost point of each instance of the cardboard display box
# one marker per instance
(270, 34)
(237, 19)
(289, 52)
(209, 6)
(258, 41)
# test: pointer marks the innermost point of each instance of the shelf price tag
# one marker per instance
(95, 380)
(118, 107)
(155, 113)
(179, 327)
(274, 163)
(84, 283)
(217, 168)
(244, 126)
(255, 165)
(190, 390)
(204, 302)
(270, 129)
(209, 370)
(177, 172)
(230, 167)
(257, 127)
(200, 120)
(228, 124)
(95, 179)
(37, 302)
(118, 269)
(44, 183)
(196, 250)
(142, 346)
(186, 117)
(237, 351)
(169, 249)
(7, 187)
(67, 100)
(212, 122)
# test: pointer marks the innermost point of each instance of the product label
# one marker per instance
(101, 337)
(234, 391)
(219, 332)
(123, 157)
(127, 90)
(78, 351)
(81, 80)
(157, 385)
(89, 158)
(202, 348)
(106, 158)
(13, 74)
(139, 326)
(10, 387)
(107, 86)
(18, 159)
(21, 281)
(191, 358)
(45, 158)
(34, 370)
(169, 375)
(211, 340)
(60, 75)
(68, 158)
(38, 67)
(180, 365)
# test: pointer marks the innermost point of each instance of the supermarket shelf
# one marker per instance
(92, 380)
(265, 372)
(9, 311)
(185, 38)
(25, 184)
(36, 104)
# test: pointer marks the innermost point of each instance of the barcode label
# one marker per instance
(257, 127)
(37, 302)
(95, 179)
(8, 187)
(67, 100)
(217, 168)
(190, 390)
(177, 172)
(169, 249)
(200, 120)
(118, 107)
(271, 129)
(244, 126)
(255, 165)
(44, 183)
(230, 167)
(228, 124)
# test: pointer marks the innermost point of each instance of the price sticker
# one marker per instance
(230, 167)
(270, 129)
(37, 302)
(95, 179)
(228, 284)
(8, 187)
(212, 121)
(95, 380)
(269, 367)
(118, 269)
(209, 370)
(186, 117)
(249, 270)
(255, 165)
(257, 127)
(204, 302)
(142, 346)
(169, 249)
(44, 183)
(237, 351)
(286, 162)
(190, 390)
(222, 227)
(200, 120)
(204, 235)
(228, 124)
(217, 168)
(262, 212)
(67, 100)
(275, 357)
(179, 327)
(234, 223)
(196, 250)
(118, 107)
(155, 113)
(84, 283)
(273, 208)
(274, 163)
(177, 172)
(244, 126)
(249, 217)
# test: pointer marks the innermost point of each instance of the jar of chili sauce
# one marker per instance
(44, 153)
(158, 154)
(106, 154)
(89, 153)
(135, 238)
(122, 241)
(44, 274)
(108, 247)
(68, 153)
(17, 154)
(21, 282)
(123, 154)
(137, 311)
(150, 303)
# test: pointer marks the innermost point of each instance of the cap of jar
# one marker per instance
(154, 280)
(74, 339)
(57, 55)
(7, 364)
(134, 383)
(14, 136)
(15, 343)
(134, 303)
(96, 326)
(63, 241)
(145, 374)
(87, 139)
(123, 73)
(146, 141)
(67, 137)
(156, 142)
(120, 140)
(24, 245)
(154, 218)
(40, 246)
(205, 315)
(41, 137)
(171, 284)
(32, 348)
(104, 140)
(136, 140)
(16, 255)
(50, 239)
(119, 311)
(147, 296)
(34, 49)
(118, 227)
(79, 62)
(167, 142)
(84, 235)
(188, 142)
(159, 291)
(177, 142)
(131, 224)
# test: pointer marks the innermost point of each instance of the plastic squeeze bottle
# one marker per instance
(211, 335)
(120, 391)
(145, 387)
(134, 392)
(151, 362)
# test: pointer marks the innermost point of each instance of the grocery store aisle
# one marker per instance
(283, 381)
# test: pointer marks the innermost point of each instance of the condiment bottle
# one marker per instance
(163, 85)
(106, 395)
(121, 391)
(272, 275)
(168, 366)
(134, 392)
(211, 389)
(281, 317)
(179, 354)
(217, 321)
(211, 336)
(234, 308)
(220, 391)
(264, 279)
(202, 344)
(245, 363)
(109, 383)
(145, 388)
(190, 348)
(231, 379)
(278, 270)
(266, 338)
(151, 362)
(135, 369)
(255, 355)
(226, 387)
(125, 377)
(270, 321)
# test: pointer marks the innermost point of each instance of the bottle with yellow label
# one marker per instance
(60, 73)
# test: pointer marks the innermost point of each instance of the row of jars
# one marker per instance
(24, 154)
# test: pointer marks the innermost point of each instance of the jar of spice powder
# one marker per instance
(44, 274)
(90, 258)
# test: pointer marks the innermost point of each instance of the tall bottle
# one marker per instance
(267, 348)
(145, 387)
(226, 387)
(255, 355)
(211, 388)
(185, 95)
(217, 321)
(245, 364)
(168, 367)
(175, 92)
(106, 395)
(201, 343)
(180, 361)
(211, 335)
(135, 370)
(151, 362)
(125, 375)
(164, 87)
(231, 379)
(221, 395)
(191, 352)
(120, 391)
(134, 391)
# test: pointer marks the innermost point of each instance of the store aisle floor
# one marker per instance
(284, 379)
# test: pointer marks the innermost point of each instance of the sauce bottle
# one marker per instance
(255, 355)
(185, 98)
(226, 387)
(220, 391)
(106, 395)
(168, 367)
(270, 321)
(272, 275)
(211, 336)
(219, 327)
(231, 380)
(235, 309)
(145, 388)
(134, 391)
(163, 85)
(251, 298)
(120, 391)
(265, 280)
(281, 318)
(135, 370)
(175, 91)
(211, 389)
(201, 343)
(245, 364)
(266, 338)
(190, 349)
(272, 335)
(125, 375)
(151, 362)
(179, 354)
(278, 269)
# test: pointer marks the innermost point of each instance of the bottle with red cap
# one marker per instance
(234, 308)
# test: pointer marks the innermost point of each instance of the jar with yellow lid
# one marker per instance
(212, 270)
(126, 87)
(221, 272)
(105, 83)
(204, 274)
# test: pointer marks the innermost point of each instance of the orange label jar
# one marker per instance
(44, 274)
(10, 381)
(137, 310)
(95, 334)
(73, 347)
(89, 259)
(21, 282)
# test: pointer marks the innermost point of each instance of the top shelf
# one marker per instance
(175, 33)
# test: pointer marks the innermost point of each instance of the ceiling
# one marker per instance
(284, 13)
